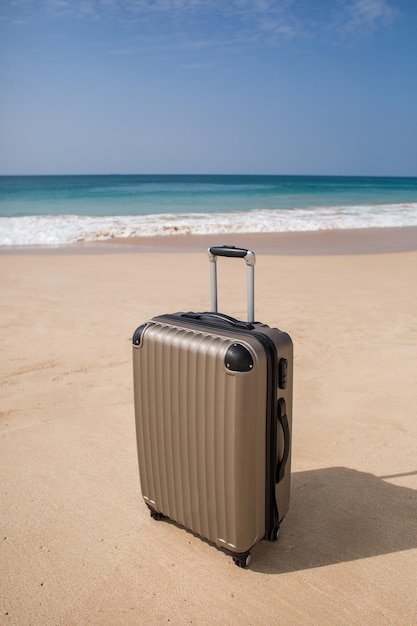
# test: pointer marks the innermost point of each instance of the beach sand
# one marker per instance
(77, 543)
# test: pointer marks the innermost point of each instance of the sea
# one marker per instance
(63, 210)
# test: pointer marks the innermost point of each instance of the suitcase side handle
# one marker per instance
(283, 420)
(240, 253)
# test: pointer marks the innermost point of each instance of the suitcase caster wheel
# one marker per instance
(275, 534)
(154, 514)
(243, 560)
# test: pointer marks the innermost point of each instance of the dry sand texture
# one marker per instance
(77, 543)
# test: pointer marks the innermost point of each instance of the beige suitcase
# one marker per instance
(213, 406)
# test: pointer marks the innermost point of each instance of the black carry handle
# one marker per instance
(218, 316)
(230, 251)
(283, 420)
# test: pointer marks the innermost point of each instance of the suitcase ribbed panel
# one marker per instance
(201, 435)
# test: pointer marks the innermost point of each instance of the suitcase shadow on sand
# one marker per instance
(337, 515)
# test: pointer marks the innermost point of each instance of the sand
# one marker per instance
(77, 543)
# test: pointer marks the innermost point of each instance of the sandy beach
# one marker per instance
(78, 545)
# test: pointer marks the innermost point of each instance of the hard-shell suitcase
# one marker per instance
(213, 409)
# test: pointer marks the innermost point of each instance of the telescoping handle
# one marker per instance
(233, 252)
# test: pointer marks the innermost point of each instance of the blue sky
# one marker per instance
(208, 86)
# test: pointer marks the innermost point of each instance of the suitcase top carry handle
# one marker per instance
(220, 317)
(233, 252)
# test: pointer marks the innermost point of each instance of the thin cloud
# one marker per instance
(252, 21)
(357, 16)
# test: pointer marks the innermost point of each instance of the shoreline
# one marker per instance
(300, 243)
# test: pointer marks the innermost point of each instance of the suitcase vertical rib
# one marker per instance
(201, 458)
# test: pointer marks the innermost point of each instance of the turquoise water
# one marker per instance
(67, 209)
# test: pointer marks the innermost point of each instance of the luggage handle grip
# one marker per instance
(219, 316)
(234, 252)
(283, 420)
(240, 253)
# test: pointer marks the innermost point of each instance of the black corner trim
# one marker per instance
(138, 334)
(238, 358)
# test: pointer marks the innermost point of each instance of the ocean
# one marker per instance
(59, 210)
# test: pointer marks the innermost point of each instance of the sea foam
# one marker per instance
(71, 229)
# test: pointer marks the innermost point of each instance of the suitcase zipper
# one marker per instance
(272, 517)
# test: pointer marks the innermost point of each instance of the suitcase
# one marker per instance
(213, 412)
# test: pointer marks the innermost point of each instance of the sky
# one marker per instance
(208, 86)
